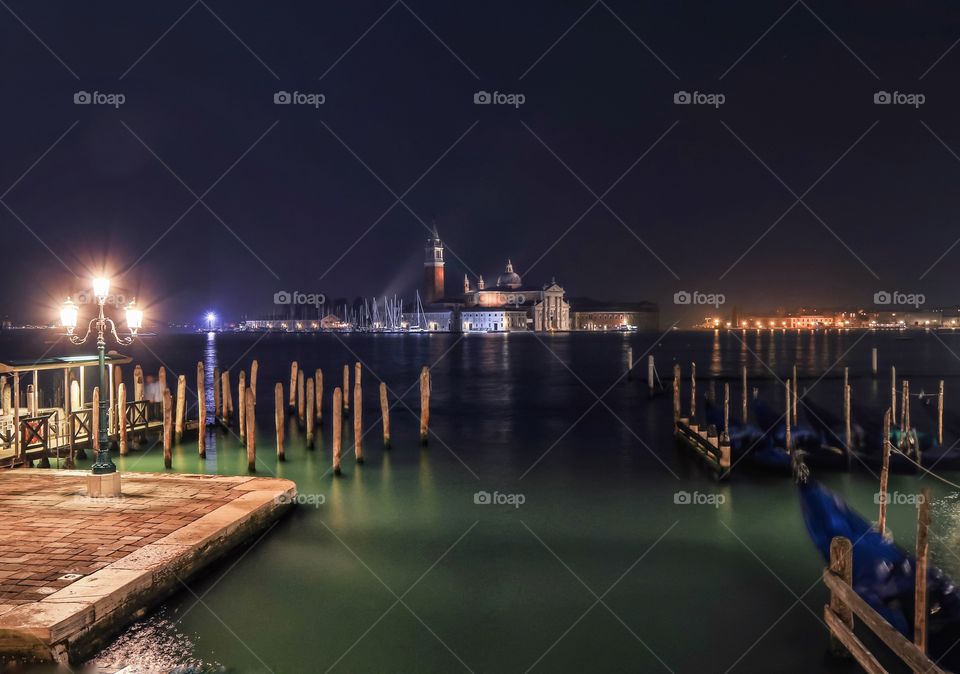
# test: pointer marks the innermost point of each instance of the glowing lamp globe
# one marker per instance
(101, 288)
(68, 315)
(134, 317)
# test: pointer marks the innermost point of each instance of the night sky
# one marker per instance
(294, 197)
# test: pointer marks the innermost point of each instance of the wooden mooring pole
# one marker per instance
(318, 386)
(693, 392)
(122, 418)
(743, 411)
(254, 370)
(227, 397)
(201, 411)
(358, 419)
(242, 398)
(940, 415)
(216, 394)
(346, 389)
(311, 410)
(293, 385)
(847, 421)
(181, 418)
(893, 395)
(301, 400)
(278, 419)
(676, 394)
(629, 363)
(651, 373)
(786, 438)
(920, 581)
(884, 474)
(167, 429)
(385, 415)
(337, 423)
(424, 404)
(251, 432)
(793, 410)
(94, 417)
(873, 362)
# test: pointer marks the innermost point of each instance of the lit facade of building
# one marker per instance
(546, 306)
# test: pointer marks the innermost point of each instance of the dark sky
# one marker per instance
(293, 188)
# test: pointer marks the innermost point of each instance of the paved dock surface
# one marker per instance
(75, 570)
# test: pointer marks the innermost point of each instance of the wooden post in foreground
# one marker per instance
(630, 363)
(162, 378)
(318, 391)
(167, 429)
(137, 383)
(385, 414)
(884, 474)
(873, 362)
(310, 411)
(424, 404)
(293, 384)
(254, 369)
(181, 405)
(841, 563)
(122, 418)
(940, 415)
(337, 422)
(920, 583)
(358, 419)
(676, 393)
(905, 414)
(346, 389)
(251, 433)
(278, 418)
(201, 411)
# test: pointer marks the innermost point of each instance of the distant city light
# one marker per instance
(211, 320)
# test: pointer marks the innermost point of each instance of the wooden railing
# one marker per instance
(845, 603)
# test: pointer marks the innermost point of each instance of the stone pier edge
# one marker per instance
(77, 621)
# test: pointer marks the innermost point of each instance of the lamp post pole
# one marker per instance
(103, 465)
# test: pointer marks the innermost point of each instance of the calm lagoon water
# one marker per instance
(598, 570)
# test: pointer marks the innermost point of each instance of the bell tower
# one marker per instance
(433, 268)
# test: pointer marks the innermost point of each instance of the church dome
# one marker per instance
(509, 278)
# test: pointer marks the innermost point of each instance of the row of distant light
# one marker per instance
(773, 324)
(101, 289)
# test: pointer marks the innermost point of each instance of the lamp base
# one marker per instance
(103, 486)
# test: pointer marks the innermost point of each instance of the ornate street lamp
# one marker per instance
(68, 319)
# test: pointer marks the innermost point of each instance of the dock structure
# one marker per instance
(163, 530)
(845, 604)
(57, 428)
(712, 447)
